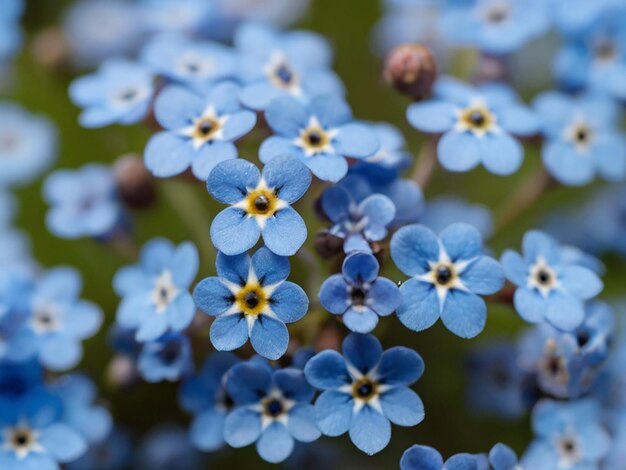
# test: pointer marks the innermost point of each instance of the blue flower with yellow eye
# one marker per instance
(321, 134)
(120, 92)
(420, 457)
(476, 125)
(359, 294)
(251, 299)
(448, 275)
(199, 130)
(364, 390)
(165, 358)
(260, 205)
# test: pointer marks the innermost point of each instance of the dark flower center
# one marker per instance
(582, 135)
(206, 126)
(251, 299)
(443, 275)
(21, 438)
(364, 389)
(315, 138)
(284, 74)
(582, 337)
(128, 95)
(274, 408)
(170, 352)
(261, 203)
(544, 278)
(497, 14)
(358, 296)
(477, 118)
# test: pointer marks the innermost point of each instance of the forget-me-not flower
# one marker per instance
(165, 358)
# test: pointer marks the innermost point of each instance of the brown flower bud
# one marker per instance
(411, 69)
(49, 47)
(328, 245)
(135, 184)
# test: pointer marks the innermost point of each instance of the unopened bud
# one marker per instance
(49, 47)
(328, 338)
(411, 69)
(135, 184)
(328, 245)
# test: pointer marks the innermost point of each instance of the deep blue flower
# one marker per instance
(260, 205)
(83, 202)
(358, 294)
(204, 395)
(251, 299)
(166, 447)
(420, 457)
(200, 130)
(582, 138)
(448, 274)
(365, 389)
(165, 358)
(441, 211)
(568, 435)
(321, 134)
(28, 145)
(155, 292)
(476, 125)
(272, 408)
(120, 92)
(275, 64)
(548, 289)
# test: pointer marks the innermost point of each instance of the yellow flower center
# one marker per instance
(206, 128)
(261, 201)
(251, 299)
(444, 274)
(364, 389)
(477, 119)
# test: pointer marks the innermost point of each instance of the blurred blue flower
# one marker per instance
(575, 17)
(476, 124)
(260, 205)
(358, 294)
(365, 389)
(272, 408)
(111, 454)
(547, 288)
(165, 358)
(420, 457)
(582, 138)
(83, 202)
(120, 92)
(321, 134)
(251, 299)
(275, 64)
(155, 292)
(200, 130)
(502, 457)
(448, 276)
(166, 447)
(191, 17)
(441, 211)
(18, 379)
(10, 32)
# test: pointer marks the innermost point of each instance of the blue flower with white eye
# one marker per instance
(366, 389)
(10, 33)
(260, 205)
(496, 27)
(358, 294)
(476, 125)
(251, 299)
(165, 358)
(28, 145)
(204, 395)
(420, 457)
(275, 64)
(155, 292)
(568, 435)
(441, 211)
(582, 138)
(358, 224)
(549, 289)
(200, 130)
(448, 276)
(195, 64)
(83, 202)
(321, 134)
(272, 408)
(120, 92)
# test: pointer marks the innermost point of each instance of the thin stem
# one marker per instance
(426, 163)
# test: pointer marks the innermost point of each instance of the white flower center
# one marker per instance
(164, 292)
(314, 139)
(206, 128)
(22, 440)
(542, 277)
(46, 318)
(194, 65)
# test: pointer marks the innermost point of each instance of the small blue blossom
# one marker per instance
(321, 134)
(582, 138)
(365, 389)
(272, 408)
(251, 299)
(420, 457)
(200, 130)
(120, 92)
(358, 294)
(260, 205)
(276, 64)
(448, 276)
(441, 211)
(165, 358)
(155, 292)
(83, 202)
(476, 125)
(549, 289)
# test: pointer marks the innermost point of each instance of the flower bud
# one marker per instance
(411, 69)
(135, 184)
(328, 245)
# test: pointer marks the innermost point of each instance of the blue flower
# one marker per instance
(84, 202)
(549, 289)
(358, 294)
(441, 211)
(165, 358)
(204, 395)
(357, 223)
(200, 130)
(28, 145)
(276, 64)
(582, 138)
(155, 292)
(120, 92)
(272, 408)
(321, 135)
(420, 457)
(251, 299)
(10, 33)
(568, 435)
(448, 274)
(260, 205)
(365, 389)
(476, 125)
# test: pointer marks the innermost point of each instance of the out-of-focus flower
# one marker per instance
(165, 358)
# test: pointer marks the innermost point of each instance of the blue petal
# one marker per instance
(370, 431)
(461, 241)
(242, 427)
(168, 154)
(181, 311)
(301, 423)
(363, 320)
(360, 267)
(519, 120)
(565, 312)
(259, 95)
(275, 443)
(501, 154)
(483, 276)
(330, 110)
(229, 181)
(566, 164)
(83, 320)
(515, 268)
(156, 255)
(211, 155)
(333, 412)
(381, 211)
(133, 309)
(336, 203)
(176, 107)
(580, 282)
(334, 294)
(420, 307)
(502, 457)
(455, 90)
(62, 442)
(530, 305)
(362, 351)
(269, 337)
(185, 264)
(328, 167)
(537, 245)
(459, 151)
(212, 296)
(327, 370)
(276, 146)
(207, 430)
(238, 125)
(269, 268)
(289, 302)
(464, 313)
(151, 328)
(284, 233)
(233, 232)
(58, 352)
(288, 176)
(419, 457)
(402, 406)
(247, 383)
(286, 116)
(432, 116)
(355, 140)
(293, 385)
(462, 461)
(412, 247)
(384, 296)
(233, 268)
(400, 366)
(229, 332)
(610, 156)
